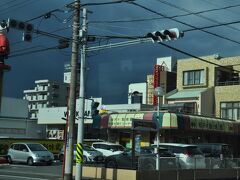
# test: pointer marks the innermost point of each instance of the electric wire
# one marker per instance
(24, 4)
(199, 15)
(196, 57)
(34, 51)
(7, 3)
(158, 18)
(186, 24)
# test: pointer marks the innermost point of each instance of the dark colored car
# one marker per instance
(146, 159)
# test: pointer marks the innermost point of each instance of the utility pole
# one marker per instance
(82, 91)
(72, 96)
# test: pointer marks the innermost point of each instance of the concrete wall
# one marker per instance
(207, 102)
(124, 174)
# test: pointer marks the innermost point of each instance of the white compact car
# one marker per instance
(107, 148)
(29, 153)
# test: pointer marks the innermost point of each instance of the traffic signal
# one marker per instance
(94, 110)
(27, 28)
(165, 35)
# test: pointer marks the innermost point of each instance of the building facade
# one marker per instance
(15, 122)
(45, 94)
(208, 88)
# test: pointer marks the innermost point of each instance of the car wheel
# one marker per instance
(30, 161)
(9, 160)
(61, 157)
(111, 164)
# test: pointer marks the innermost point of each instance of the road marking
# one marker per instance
(39, 174)
(23, 166)
(22, 177)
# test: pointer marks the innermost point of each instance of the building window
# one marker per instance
(193, 77)
(230, 110)
(136, 97)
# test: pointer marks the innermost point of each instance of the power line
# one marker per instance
(6, 3)
(20, 5)
(57, 30)
(158, 18)
(150, 10)
(199, 15)
(212, 26)
(191, 55)
(34, 51)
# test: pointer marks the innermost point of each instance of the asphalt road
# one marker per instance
(37, 172)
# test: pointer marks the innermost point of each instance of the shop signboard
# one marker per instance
(169, 120)
(120, 121)
(139, 115)
(111, 122)
(128, 120)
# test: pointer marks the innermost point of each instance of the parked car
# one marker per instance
(145, 159)
(218, 155)
(29, 153)
(89, 154)
(107, 148)
(188, 156)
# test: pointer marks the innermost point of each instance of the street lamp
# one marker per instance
(158, 91)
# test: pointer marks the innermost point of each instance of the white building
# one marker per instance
(46, 94)
(137, 93)
(169, 63)
(55, 118)
(14, 121)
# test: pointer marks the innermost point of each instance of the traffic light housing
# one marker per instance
(27, 28)
(165, 35)
(94, 110)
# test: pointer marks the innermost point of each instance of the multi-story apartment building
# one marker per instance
(46, 94)
(208, 87)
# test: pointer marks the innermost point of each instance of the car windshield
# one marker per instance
(36, 147)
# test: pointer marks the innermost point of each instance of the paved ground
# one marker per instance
(21, 171)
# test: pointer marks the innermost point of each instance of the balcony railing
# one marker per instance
(228, 83)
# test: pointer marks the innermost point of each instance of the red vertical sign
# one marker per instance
(156, 80)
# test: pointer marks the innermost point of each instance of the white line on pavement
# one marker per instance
(21, 177)
(38, 174)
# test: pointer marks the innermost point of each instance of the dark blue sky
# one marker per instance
(110, 71)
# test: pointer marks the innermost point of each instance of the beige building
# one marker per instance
(210, 87)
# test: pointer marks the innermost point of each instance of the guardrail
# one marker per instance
(147, 163)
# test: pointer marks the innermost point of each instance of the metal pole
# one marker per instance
(158, 134)
(72, 95)
(80, 134)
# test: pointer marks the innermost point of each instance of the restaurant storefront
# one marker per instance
(178, 128)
